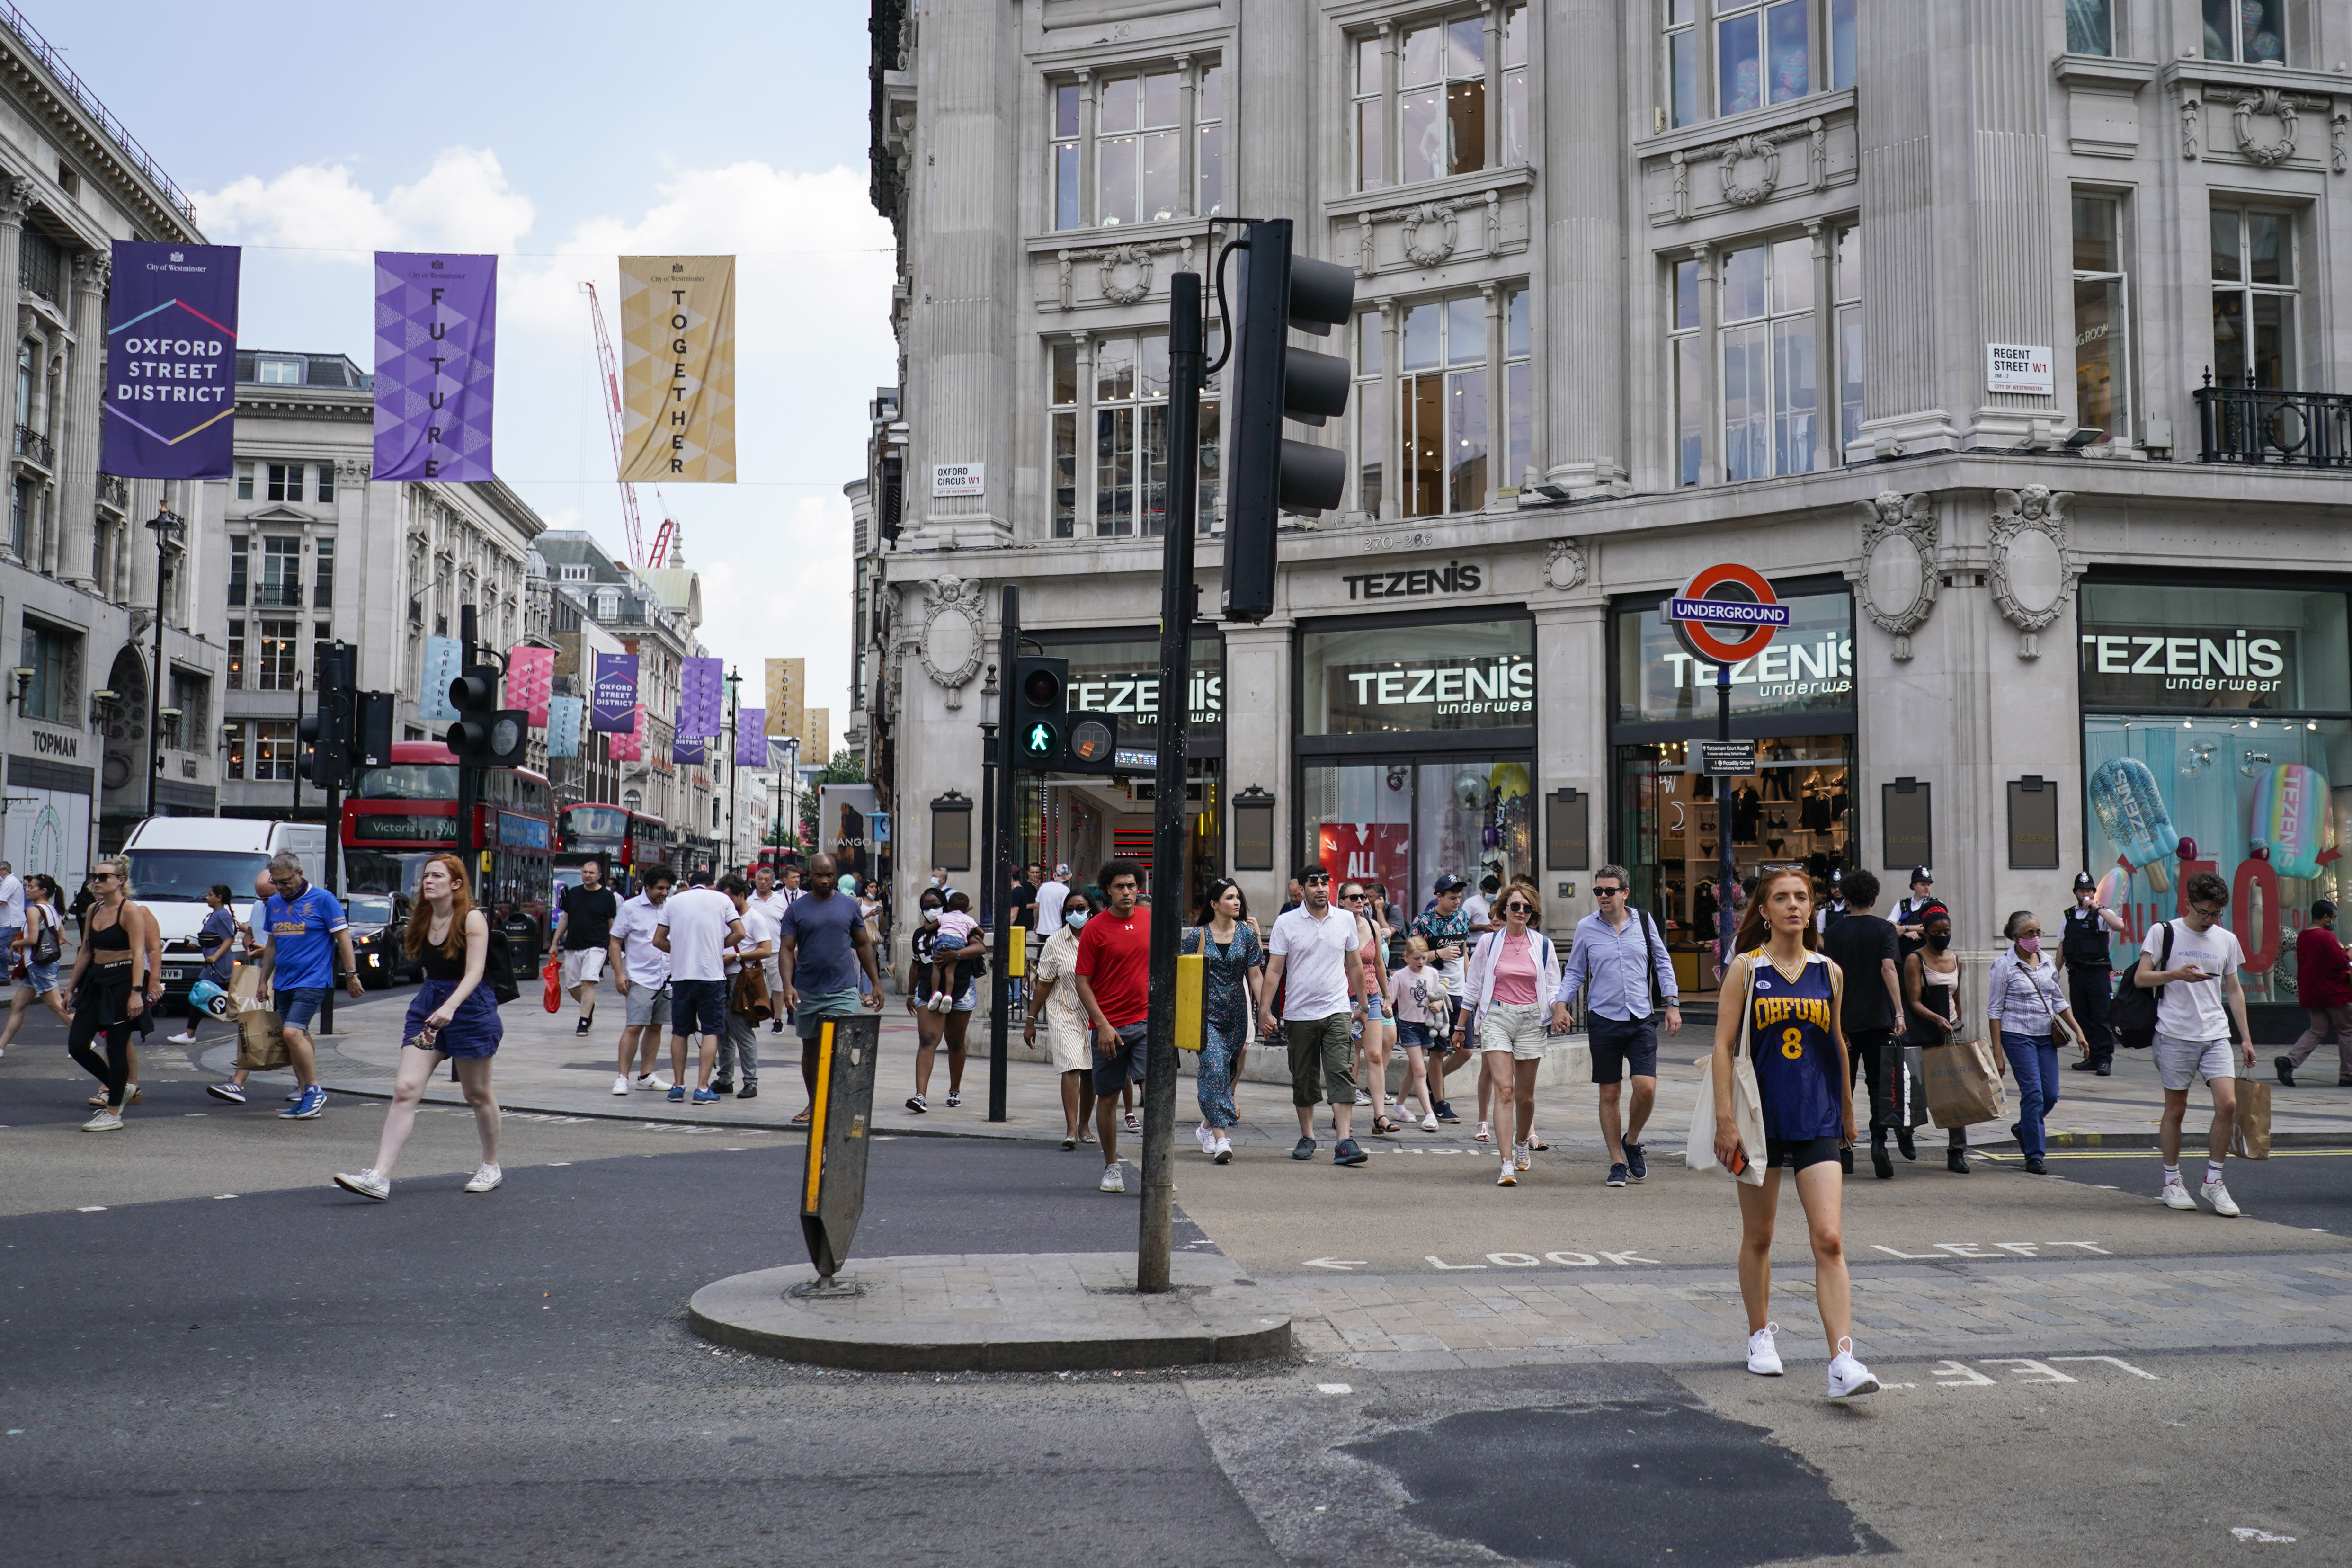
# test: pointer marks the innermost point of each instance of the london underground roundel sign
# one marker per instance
(1725, 613)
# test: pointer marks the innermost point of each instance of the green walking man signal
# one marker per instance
(1039, 740)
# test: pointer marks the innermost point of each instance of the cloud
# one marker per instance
(462, 202)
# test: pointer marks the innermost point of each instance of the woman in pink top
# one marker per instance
(1512, 975)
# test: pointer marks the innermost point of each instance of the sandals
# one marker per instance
(1382, 1125)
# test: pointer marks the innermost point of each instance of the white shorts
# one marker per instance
(1514, 1026)
(583, 966)
(2180, 1063)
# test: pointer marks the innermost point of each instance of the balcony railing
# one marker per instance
(40, 49)
(2266, 424)
(114, 490)
(32, 444)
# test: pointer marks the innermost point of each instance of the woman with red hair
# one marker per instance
(453, 1017)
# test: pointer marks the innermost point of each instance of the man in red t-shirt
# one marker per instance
(2324, 986)
(1114, 973)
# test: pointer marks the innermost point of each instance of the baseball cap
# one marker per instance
(1921, 874)
(2084, 881)
(1062, 869)
(1450, 883)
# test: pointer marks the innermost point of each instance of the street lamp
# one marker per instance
(734, 689)
(168, 526)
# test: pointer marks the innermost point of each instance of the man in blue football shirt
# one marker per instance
(303, 929)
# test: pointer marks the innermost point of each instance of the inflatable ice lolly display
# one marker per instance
(2114, 889)
(2133, 815)
(2289, 818)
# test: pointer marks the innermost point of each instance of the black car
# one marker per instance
(378, 930)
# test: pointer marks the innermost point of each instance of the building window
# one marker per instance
(245, 480)
(1450, 405)
(608, 605)
(575, 573)
(2253, 32)
(2090, 26)
(238, 569)
(52, 654)
(237, 655)
(1685, 345)
(20, 512)
(192, 695)
(2253, 297)
(1745, 55)
(2101, 318)
(326, 481)
(1771, 388)
(279, 658)
(285, 481)
(281, 574)
(1445, 96)
(1845, 282)
(1144, 125)
(1123, 378)
(278, 373)
(323, 592)
(263, 751)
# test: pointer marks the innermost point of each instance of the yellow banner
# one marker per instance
(678, 368)
(817, 736)
(787, 690)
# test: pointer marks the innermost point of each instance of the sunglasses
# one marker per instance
(1517, 910)
(1314, 881)
(105, 877)
(1352, 898)
(1606, 892)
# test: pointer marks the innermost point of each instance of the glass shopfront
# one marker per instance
(2217, 736)
(1417, 755)
(1795, 701)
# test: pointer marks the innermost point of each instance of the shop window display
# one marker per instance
(1405, 824)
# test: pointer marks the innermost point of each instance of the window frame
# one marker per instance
(1074, 429)
(277, 653)
(2236, 41)
(2106, 12)
(2248, 290)
(1699, 346)
(1831, 33)
(2121, 360)
(54, 655)
(1387, 405)
(1075, 158)
(1503, 106)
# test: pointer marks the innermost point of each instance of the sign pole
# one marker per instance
(1724, 614)
(1000, 985)
(1726, 878)
(1177, 597)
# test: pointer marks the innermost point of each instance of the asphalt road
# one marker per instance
(294, 1376)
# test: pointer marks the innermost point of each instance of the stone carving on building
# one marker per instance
(1896, 580)
(953, 637)
(1124, 274)
(2192, 114)
(2339, 133)
(1434, 250)
(2032, 572)
(2271, 103)
(1744, 192)
(1565, 564)
(1747, 168)
(1432, 230)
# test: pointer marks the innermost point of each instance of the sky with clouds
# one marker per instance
(557, 137)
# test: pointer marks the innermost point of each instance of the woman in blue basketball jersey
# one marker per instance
(1781, 998)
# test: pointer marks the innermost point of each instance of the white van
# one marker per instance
(175, 860)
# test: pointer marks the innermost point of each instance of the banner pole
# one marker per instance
(1000, 984)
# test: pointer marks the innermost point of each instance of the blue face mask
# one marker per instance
(1074, 919)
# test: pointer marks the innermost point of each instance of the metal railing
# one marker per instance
(31, 443)
(2253, 424)
(40, 49)
(114, 490)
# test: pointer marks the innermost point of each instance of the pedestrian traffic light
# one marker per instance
(485, 734)
(1040, 712)
(371, 740)
(325, 734)
(1266, 474)
(1092, 746)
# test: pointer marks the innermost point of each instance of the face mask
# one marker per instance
(2029, 944)
(1074, 919)
(930, 917)
(1938, 943)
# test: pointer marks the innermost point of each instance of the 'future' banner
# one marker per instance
(171, 362)
(436, 349)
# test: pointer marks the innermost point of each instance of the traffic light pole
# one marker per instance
(470, 780)
(1177, 600)
(1000, 984)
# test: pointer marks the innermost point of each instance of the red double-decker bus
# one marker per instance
(626, 841)
(397, 815)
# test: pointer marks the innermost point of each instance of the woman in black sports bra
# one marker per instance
(108, 987)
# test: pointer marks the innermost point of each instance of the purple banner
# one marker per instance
(436, 346)
(612, 701)
(689, 750)
(751, 737)
(170, 363)
(702, 692)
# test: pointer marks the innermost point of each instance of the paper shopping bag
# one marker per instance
(1962, 1088)
(261, 1040)
(1911, 1090)
(2252, 1141)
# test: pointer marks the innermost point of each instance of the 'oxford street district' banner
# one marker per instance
(678, 368)
(436, 346)
(613, 696)
(171, 362)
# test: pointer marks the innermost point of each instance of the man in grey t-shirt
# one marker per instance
(821, 944)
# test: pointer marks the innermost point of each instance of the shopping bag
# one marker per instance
(1962, 1088)
(1911, 1089)
(554, 973)
(209, 999)
(1746, 1110)
(2252, 1140)
(261, 1040)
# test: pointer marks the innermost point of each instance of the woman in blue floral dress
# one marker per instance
(1228, 1000)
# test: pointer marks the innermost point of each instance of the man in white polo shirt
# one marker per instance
(772, 899)
(1320, 975)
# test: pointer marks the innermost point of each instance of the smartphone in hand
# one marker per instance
(1738, 1163)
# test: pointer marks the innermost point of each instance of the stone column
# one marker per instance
(1188, 150)
(1268, 126)
(1584, 246)
(1571, 738)
(1710, 376)
(77, 458)
(15, 199)
(1391, 421)
(1498, 433)
(1258, 726)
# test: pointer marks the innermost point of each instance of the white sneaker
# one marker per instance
(1362, 1099)
(181, 1039)
(1848, 1376)
(1429, 1122)
(1114, 1180)
(104, 1121)
(1206, 1137)
(368, 1183)
(621, 1084)
(2217, 1194)
(1523, 1155)
(2176, 1196)
(1223, 1152)
(652, 1081)
(1507, 1177)
(1482, 1135)
(1763, 1352)
(486, 1178)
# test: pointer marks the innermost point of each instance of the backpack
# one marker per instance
(2132, 1013)
(498, 968)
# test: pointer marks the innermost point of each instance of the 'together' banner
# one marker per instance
(678, 368)
(436, 347)
(171, 362)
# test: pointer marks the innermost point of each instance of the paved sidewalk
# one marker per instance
(544, 1066)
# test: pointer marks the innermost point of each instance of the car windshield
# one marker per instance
(185, 875)
(368, 911)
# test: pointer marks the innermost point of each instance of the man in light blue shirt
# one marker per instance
(1618, 958)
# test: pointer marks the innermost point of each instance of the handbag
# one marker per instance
(749, 998)
(553, 975)
(47, 948)
(2251, 1140)
(1963, 1090)
(498, 968)
(207, 998)
(1912, 1107)
(1747, 1108)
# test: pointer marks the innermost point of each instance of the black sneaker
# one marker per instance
(749, 1091)
(2035, 1167)
(1348, 1153)
(915, 1103)
(1637, 1165)
(1304, 1150)
(2285, 1066)
(1445, 1114)
(1903, 1142)
(722, 1086)
(585, 1024)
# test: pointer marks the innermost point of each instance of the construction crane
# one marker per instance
(638, 556)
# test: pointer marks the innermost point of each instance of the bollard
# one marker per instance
(833, 1182)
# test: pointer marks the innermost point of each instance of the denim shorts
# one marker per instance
(41, 977)
(1123, 1065)
(1412, 1037)
(298, 1005)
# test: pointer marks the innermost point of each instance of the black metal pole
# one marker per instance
(155, 686)
(295, 816)
(469, 779)
(1730, 870)
(988, 786)
(1177, 593)
(1000, 985)
(734, 713)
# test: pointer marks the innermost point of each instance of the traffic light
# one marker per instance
(1266, 474)
(370, 737)
(1040, 712)
(325, 735)
(1092, 745)
(485, 734)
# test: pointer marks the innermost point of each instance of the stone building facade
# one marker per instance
(1910, 306)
